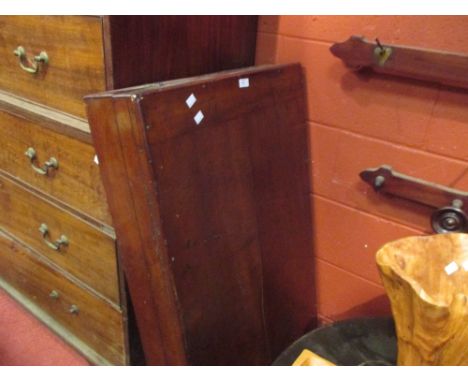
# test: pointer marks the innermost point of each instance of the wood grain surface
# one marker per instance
(76, 59)
(429, 300)
(142, 252)
(52, 119)
(144, 49)
(76, 181)
(220, 209)
(90, 254)
(97, 329)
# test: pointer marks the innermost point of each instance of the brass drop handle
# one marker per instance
(57, 244)
(28, 65)
(44, 170)
(54, 295)
(72, 309)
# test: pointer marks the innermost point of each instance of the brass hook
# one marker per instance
(382, 54)
(379, 44)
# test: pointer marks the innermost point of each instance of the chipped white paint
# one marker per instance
(96, 159)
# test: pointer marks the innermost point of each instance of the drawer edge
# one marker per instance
(66, 335)
(50, 118)
(65, 273)
(66, 208)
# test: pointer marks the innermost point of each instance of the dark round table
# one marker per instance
(356, 342)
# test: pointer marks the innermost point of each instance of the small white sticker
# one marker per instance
(465, 265)
(190, 101)
(198, 117)
(451, 268)
(244, 82)
(96, 160)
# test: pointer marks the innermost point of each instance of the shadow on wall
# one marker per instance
(377, 307)
(267, 53)
(385, 83)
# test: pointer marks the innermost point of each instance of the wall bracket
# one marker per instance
(451, 204)
(440, 67)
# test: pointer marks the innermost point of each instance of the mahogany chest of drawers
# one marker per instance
(58, 250)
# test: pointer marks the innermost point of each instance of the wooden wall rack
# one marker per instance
(451, 214)
(445, 68)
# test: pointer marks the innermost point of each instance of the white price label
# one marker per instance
(244, 82)
(190, 101)
(198, 117)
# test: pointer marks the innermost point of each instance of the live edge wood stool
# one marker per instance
(207, 183)
(58, 254)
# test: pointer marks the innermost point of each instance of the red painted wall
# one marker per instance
(361, 121)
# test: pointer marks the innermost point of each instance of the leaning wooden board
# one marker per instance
(207, 181)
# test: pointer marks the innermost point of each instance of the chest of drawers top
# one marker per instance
(57, 60)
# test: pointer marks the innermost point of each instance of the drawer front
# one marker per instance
(72, 244)
(75, 59)
(90, 319)
(76, 181)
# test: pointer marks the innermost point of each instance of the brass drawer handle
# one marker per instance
(44, 170)
(28, 65)
(57, 244)
(54, 295)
